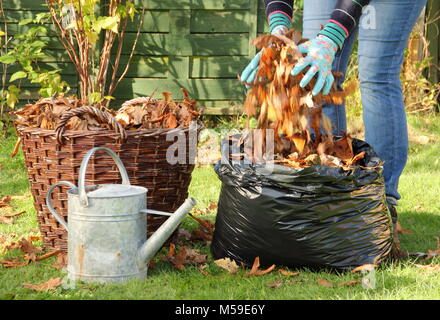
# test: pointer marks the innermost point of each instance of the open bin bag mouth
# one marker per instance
(315, 217)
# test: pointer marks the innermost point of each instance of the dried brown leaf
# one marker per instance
(307, 100)
(365, 267)
(50, 284)
(429, 267)
(4, 202)
(16, 147)
(228, 264)
(288, 273)
(202, 270)
(48, 255)
(6, 220)
(324, 282)
(15, 262)
(61, 261)
(434, 253)
(349, 283)
(401, 230)
(255, 271)
(27, 247)
(276, 284)
(185, 255)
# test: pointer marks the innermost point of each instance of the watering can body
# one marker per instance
(107, 239)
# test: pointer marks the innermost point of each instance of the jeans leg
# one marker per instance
(381, 51)
(316, 14)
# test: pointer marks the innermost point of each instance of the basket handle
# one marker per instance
(83, 168)
(49, 202)
(100, 115)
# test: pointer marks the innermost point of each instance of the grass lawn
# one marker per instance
(419, 212)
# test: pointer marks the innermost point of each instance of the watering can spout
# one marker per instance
(156, 241)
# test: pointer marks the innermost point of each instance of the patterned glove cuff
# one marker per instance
(334, 32)
(278, 19)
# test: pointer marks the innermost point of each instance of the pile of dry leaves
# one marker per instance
(149, 113)
(140, 113)
(277, 100)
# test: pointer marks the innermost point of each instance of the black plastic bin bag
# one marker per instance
(316, 217)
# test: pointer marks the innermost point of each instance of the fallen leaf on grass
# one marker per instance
(364, 267)
(288, 273)
(296, 281)
(31, 252)
(276, 284)
(61, 261)
(193, 256)
(212, 206)
(8, 219)
(15, 214)
(349, 283)
(185, 255)
(202, 270)
(205, 230)
(4, 202)
(19, 197)
(429, 267)
(27, 247)
(16, 147)
(422, 139)
(434, 253)
(279, 283)
(324, 282)
(228, 264)
(401, 230)
(15, 262)
(255, 271)
(25, 259)
(419, 208)
(50, 284)
(48, 255)
(183, 234)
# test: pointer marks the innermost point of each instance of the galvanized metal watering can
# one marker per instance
(107, 239)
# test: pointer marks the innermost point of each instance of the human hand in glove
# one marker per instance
(320, 55)
(249, 73)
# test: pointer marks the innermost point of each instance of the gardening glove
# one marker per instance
(320, 55)
(279, 24)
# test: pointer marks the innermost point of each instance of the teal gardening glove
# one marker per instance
(279, 24)
(320, 53)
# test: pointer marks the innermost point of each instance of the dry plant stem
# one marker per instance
(4, 47)
(84, 50)
(114, 83)
(61, 34)
(106, 50)
(80, 49)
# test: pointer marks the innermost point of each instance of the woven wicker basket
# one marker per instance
(142, 152)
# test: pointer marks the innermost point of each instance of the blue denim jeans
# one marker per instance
(382, 35)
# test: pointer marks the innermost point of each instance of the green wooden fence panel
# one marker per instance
(201, 45)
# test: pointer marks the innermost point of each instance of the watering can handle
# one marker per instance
(49, 203)
(82, 172)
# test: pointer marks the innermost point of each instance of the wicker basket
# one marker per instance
(142, 152)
